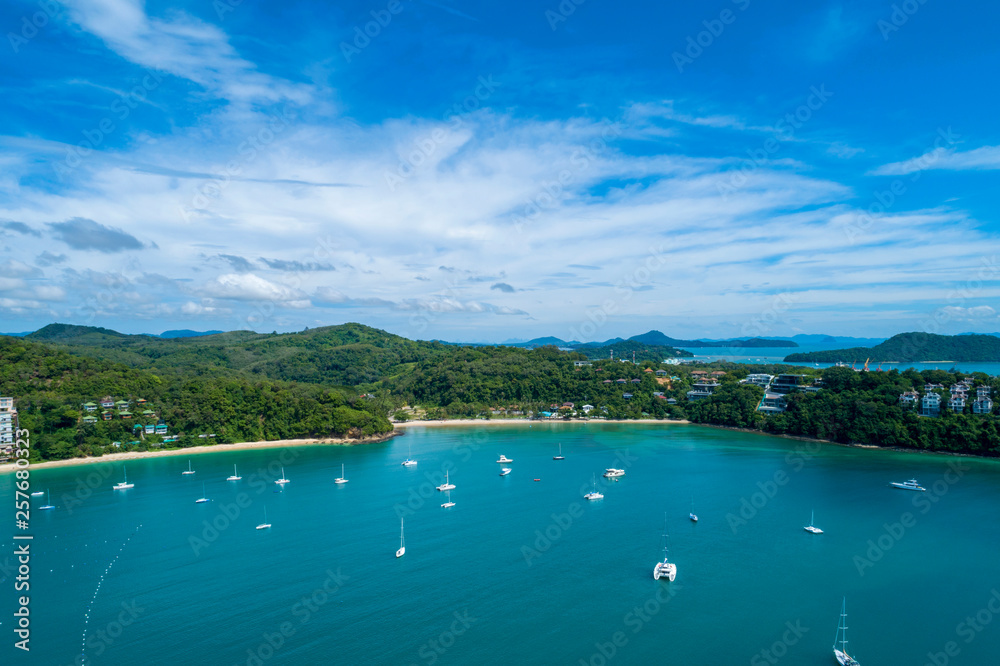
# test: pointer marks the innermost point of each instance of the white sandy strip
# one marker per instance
(279, 443)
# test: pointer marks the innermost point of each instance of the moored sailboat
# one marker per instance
(841, 654)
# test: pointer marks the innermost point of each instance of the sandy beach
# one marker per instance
(400, 429)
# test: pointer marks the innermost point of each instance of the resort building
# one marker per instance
(956, 402)
(759, 379)
(788, 383)
(982, 404)
(8, 424)
(773, 403)
(703, 389)
(930, 405)
(911, 398)
(90, 406)
(107, 402)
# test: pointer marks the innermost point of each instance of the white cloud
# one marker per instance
(985, 158)
(251, 287)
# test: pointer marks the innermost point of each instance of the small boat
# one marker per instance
(264, 525)
(449, 503)
(811, 527)
(38, 493)
(594, 495)
(48, 503)
(402, 543)
(340, 479)
(188, 470)
(693, 516)
(560, 456)
(908, 485)
(409, 462)
(235, 476)
(537, 479)
(446, 485)
(504, 459)
(203, 499)
(282, 481)
(504, 471)
(124, 485)
(612, 473)
(843, 658)
(665, 569)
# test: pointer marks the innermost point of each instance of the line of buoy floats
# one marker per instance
(86, 614)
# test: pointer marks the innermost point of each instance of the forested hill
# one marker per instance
(912, 347)
(345, 355)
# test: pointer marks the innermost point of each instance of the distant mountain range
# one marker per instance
(654, 338)
(182, 333)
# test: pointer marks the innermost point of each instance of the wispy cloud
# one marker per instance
(980, 159)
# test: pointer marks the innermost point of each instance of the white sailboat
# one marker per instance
(48, 503)
(560, 456)
(449, 503)
(446, 485)
(340, 479)
(124, 485)
(235, 476)
(282, 481)
(188, 470)
(409, 462)
(202, 499)
(843, 658)
(594, 495)
(665, 569)
(811, 527)
(402, 543)
(264, 525)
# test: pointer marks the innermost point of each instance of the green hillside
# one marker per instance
(912, 347)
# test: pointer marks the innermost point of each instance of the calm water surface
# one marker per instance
(519, 571)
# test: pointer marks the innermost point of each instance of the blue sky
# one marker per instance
(485, 171)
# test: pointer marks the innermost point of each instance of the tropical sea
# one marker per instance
(519, 570)
(778, 354)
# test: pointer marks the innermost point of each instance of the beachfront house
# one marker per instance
(586, 408)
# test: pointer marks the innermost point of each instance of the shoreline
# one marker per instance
(399, 429)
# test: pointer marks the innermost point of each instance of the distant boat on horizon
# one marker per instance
(124, 485)
(188, 470)
(235, 476)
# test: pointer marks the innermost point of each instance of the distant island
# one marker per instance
(655, 339)
(911, 348)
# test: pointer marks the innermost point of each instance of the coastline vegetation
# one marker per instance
(352, 380)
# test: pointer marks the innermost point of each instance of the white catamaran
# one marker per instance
(594, 495)
(447, 485)
(811, 527)
(560, 456)
(124, 485)
(409, 462)
(665, 569)
(843, 658)
(342, 478)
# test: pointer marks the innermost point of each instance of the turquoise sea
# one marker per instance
(518, 571)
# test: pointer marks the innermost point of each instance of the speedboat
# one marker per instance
(504, 459)
(694, 518)
(505, 471)
(908, 485)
